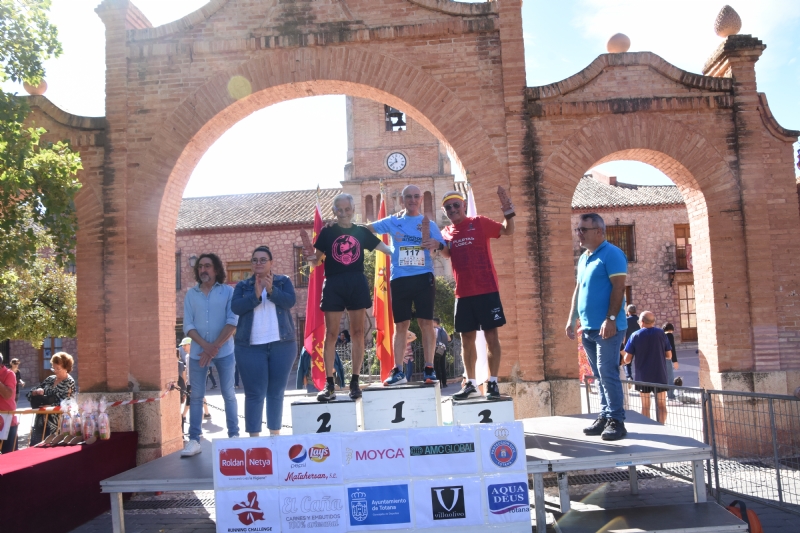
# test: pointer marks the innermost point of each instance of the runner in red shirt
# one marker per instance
(478, 303)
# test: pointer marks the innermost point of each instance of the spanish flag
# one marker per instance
(314, 335)
(382, 306)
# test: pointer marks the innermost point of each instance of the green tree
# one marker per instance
(37, 302)
(37, 179)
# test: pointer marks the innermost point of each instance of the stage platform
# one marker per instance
(553, 444)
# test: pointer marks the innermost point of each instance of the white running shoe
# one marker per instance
(192, 447)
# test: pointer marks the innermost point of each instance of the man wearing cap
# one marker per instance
(412, 280)
(478, 305)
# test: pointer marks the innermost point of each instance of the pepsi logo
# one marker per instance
(318, 453)
(297, 453)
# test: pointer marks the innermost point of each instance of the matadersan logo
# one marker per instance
(318, 453)
(508, 498)
(373, 455)
(448, 503)
(231, 462)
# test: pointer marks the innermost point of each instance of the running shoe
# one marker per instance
(355, 390)
(328, 394)
(467, 391)
(395, 378)
(492, 391)
(597, 426)
(615, 430)
(207, 416)
(429, 375)
(191, 448)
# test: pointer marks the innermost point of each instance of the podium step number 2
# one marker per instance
(479, 411)
(401, 406)
(311, 416)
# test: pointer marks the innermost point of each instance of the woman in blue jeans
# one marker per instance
(265, 342)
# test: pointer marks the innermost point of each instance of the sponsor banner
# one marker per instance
(245, 462)
(321, 509)
(448, 502)
(383, 454)
(443, 451)
(507, 498)
(247, 511)
(313, 459)
(386, 506)
(502, 447)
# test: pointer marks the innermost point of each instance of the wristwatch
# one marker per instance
(612, 318)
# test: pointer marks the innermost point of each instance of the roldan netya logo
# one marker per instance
(235, 462)
(503, 452)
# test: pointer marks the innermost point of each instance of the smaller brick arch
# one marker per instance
(711, 192)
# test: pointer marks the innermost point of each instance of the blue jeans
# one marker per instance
(670, 379)
(603, 355)
(265, 372)
(197, 374)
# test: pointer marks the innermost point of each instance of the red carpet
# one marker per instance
(55, 490)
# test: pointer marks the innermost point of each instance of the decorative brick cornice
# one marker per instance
(539, 109)
(62, 117)
(462, 9)
(771, 123)
(649, 59)
(734, 45)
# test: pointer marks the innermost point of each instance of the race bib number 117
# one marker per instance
(412, 256)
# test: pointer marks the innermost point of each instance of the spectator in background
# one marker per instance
(57, 388)
(408, 355)
(633, 325)
(8, 402)
(672, 365)
(651, 349)
(183, 354)
(344, 338)
(15, 370)
(440, 353)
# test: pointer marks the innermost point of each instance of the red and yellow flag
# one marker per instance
(314, 335)
(382, 306)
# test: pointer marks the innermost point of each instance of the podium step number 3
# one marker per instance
(401, 406)
(311, 416)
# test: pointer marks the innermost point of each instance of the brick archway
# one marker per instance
(711, 191)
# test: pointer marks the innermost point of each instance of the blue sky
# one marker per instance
(283, 148)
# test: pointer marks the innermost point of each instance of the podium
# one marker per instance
(479, 411)
(413, 405)
(312, 416)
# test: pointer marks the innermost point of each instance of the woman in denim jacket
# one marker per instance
(265, 345)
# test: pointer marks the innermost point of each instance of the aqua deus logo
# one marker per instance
(448, 503)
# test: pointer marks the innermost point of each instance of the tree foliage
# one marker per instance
(37, 301)
(37, 179)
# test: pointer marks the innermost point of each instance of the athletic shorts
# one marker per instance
(483, 311)
(349, 290)
(419, 290)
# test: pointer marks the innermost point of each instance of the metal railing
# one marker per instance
(755, 438)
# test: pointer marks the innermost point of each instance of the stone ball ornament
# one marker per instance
(728, 22)
(618, 44)
(35, 90)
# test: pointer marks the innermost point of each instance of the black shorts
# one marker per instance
(483, 311)
(419, 290)
(647, 390)
(345, 291)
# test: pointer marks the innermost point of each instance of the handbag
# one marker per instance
(440, 348)
(44, 400)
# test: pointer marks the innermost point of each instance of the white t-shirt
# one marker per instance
(265, 322)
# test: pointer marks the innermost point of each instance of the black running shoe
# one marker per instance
(328, 394)
(615, 430)
(467, 391)
(355, 390)
(597, 427)
(492, 391)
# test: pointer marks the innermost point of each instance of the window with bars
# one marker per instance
(683, 242)
(237, 271)
(301, 332)
(623, 237)
(301, 271)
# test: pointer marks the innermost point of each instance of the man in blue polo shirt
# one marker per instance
(599, 303)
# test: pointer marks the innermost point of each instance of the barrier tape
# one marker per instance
(56, 409)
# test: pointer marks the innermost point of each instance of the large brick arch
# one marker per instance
(713, 199)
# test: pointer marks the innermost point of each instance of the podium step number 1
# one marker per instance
(414, 405)
(311, 416)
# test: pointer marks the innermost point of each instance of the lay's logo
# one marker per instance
(318, 453)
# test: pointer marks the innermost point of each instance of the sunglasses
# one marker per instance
(454, 205)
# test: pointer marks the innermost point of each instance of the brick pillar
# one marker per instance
(769, 271)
